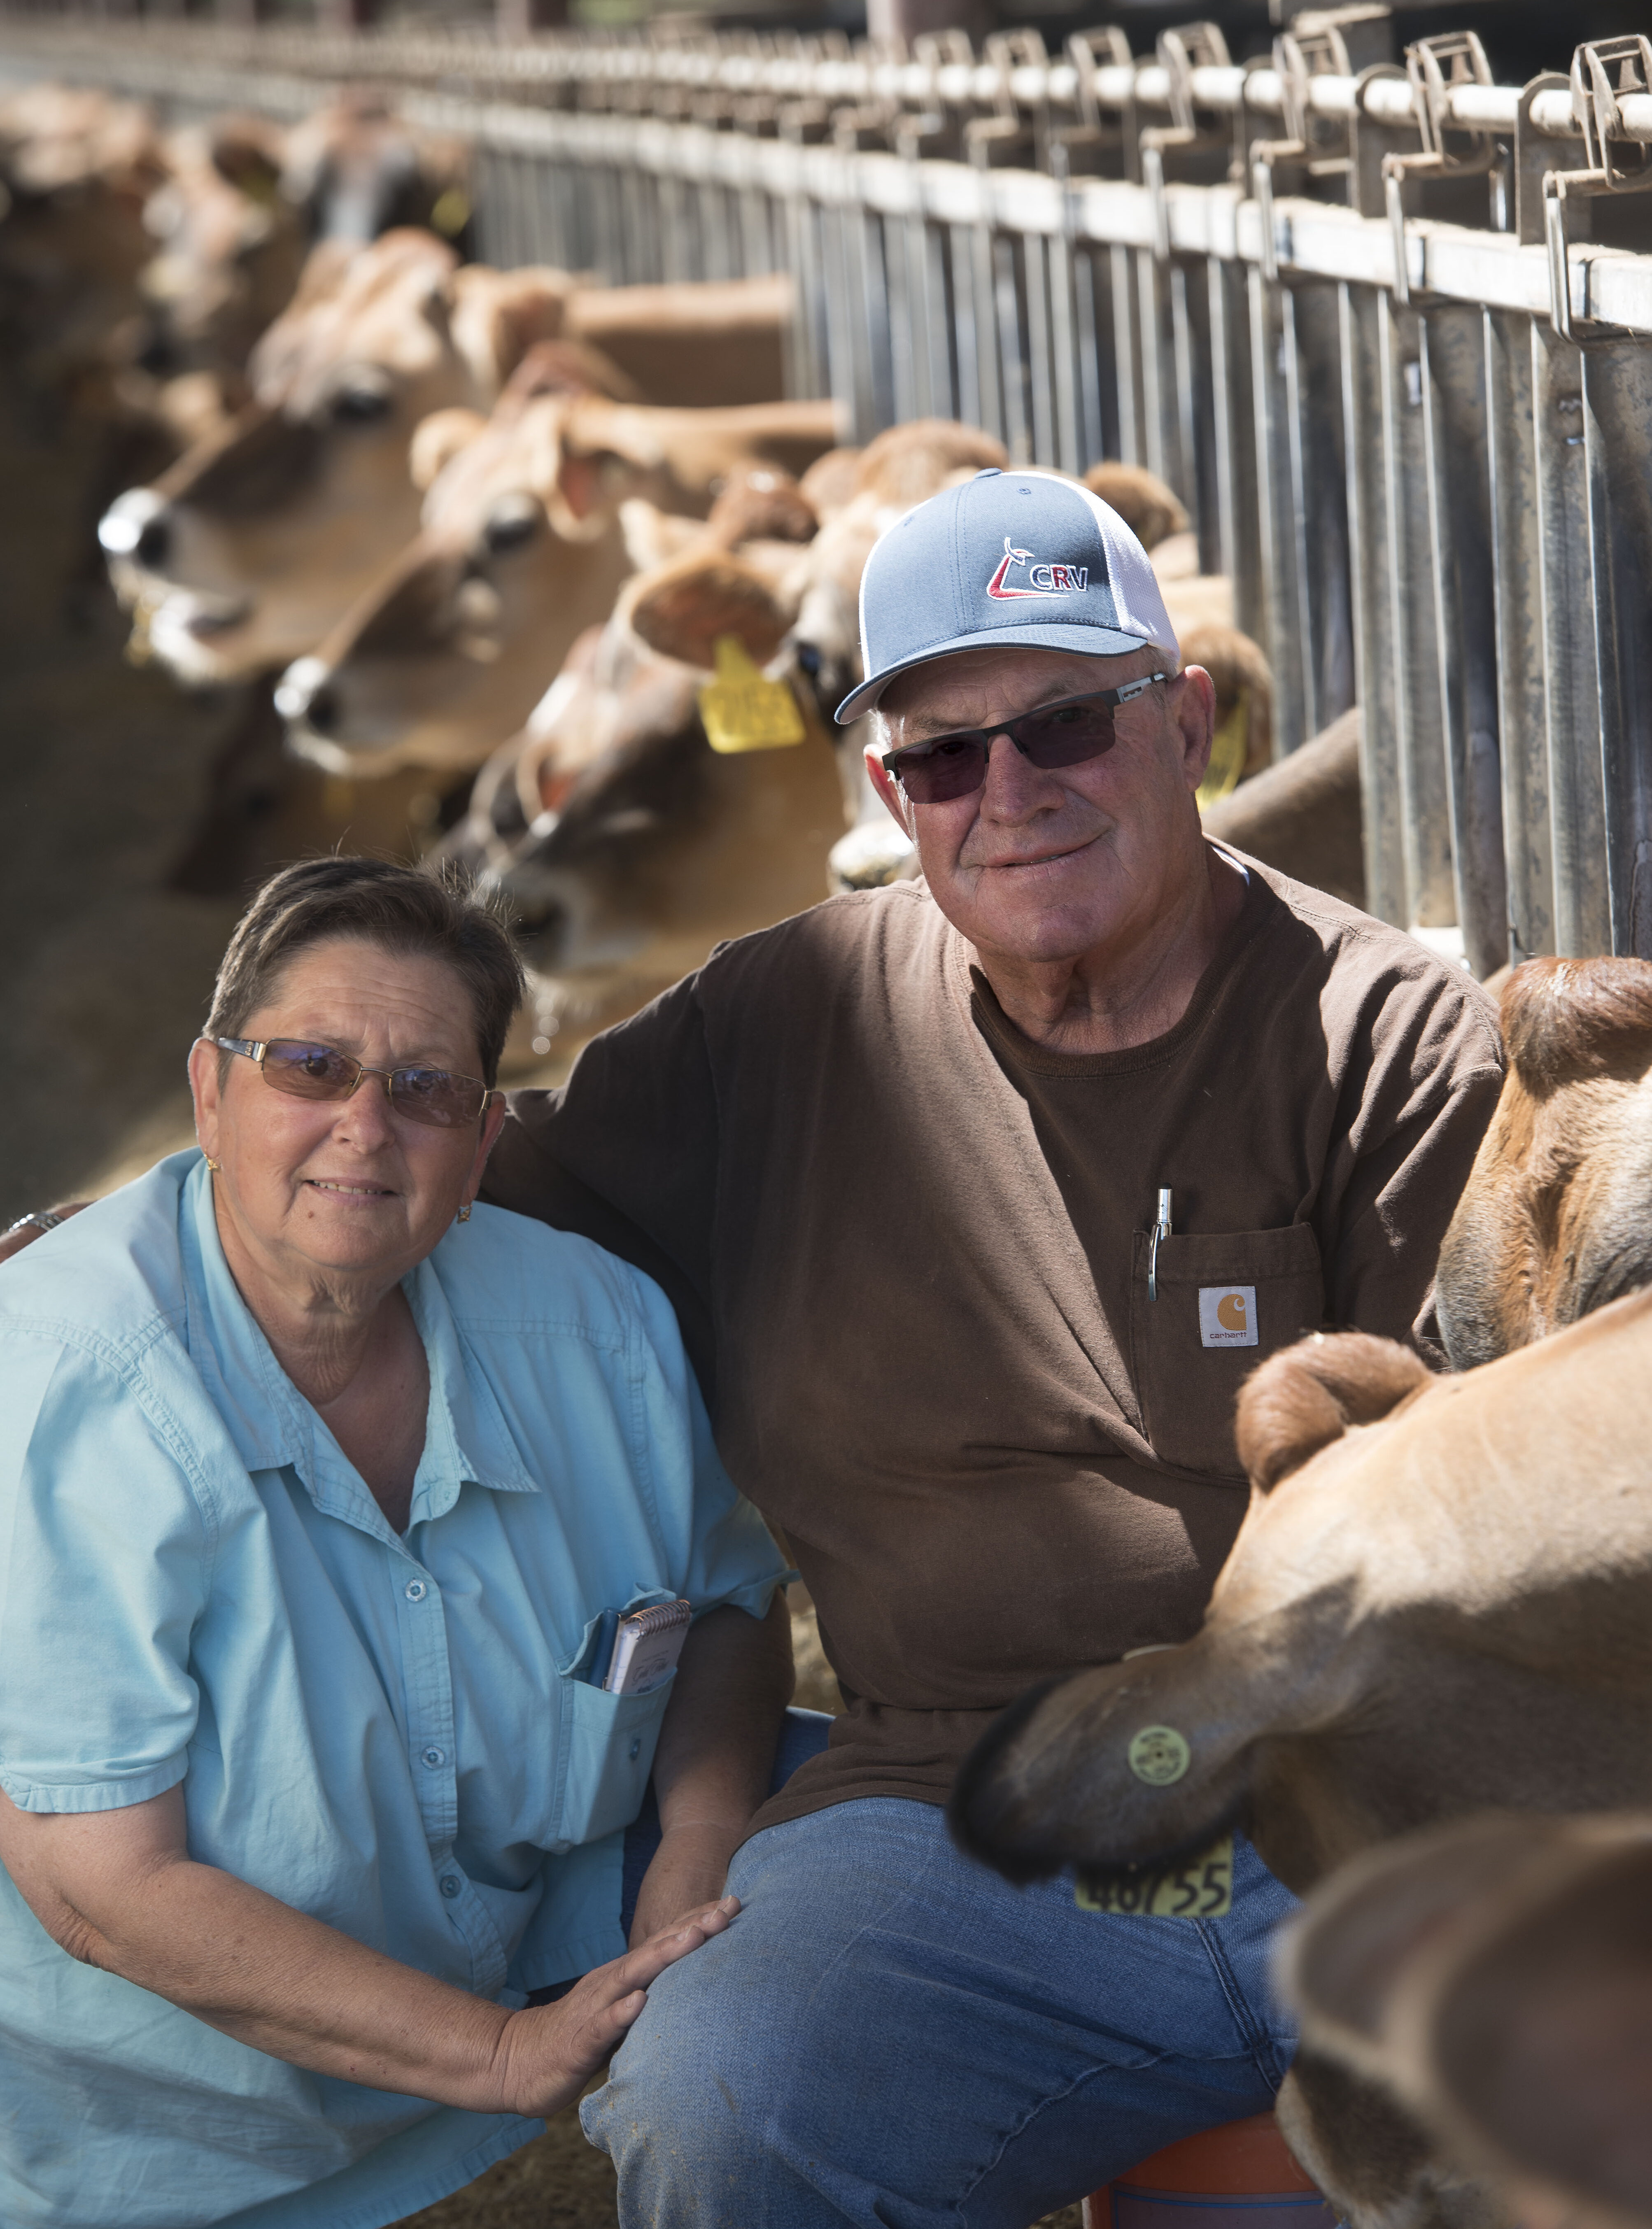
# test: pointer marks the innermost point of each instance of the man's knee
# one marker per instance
(703, 2074)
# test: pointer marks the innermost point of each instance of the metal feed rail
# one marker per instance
(1405, 395)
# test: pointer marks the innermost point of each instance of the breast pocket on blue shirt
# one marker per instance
(608, 1742)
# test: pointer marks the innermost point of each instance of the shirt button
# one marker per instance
(451, 1884)
(433, 1757)
(416, 1590)
(635, 1751)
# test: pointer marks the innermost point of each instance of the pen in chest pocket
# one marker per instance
(1160, 1229)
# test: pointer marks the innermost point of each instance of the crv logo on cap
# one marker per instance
(1042, 579)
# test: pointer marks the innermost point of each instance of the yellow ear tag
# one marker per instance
(743, 709)
(1229, 749)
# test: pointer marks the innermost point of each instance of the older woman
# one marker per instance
(316, 1481)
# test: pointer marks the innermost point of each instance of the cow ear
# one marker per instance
(438, 439)
(499, 315)
(1148, 508)
(248, 152)
(1366, 1936)
(1300, 1401)
(683, 610)
(829, 483)
(1244, 684)
(655, 538)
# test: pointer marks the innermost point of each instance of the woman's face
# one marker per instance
(345, 1188)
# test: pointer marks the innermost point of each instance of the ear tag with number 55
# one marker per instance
(743, 709)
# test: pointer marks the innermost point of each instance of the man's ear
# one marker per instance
(894, 797)
(438, 439)
(499, 315)
(1195, 712)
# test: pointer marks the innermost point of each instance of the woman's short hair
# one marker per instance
(403, 910)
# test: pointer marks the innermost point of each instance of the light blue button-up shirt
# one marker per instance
(196, 1585)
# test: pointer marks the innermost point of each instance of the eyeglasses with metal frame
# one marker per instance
(434, 1096)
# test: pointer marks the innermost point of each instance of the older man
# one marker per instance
(977, 1197)
(901, 1162)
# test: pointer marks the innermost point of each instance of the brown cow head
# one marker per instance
(1554, 1222)
(230, 249)
(646, 847)
(245, 553)
(1435, 1604)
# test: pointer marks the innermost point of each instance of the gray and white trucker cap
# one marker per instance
(1006, 559)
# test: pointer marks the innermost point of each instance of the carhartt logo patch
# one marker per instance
(1037, 579)
(1227, 1315)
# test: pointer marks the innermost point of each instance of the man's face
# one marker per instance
(1049, 866)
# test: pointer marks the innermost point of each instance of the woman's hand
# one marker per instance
(548, 2053)
(686, 1871)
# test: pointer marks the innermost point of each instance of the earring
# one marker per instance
(465, 1212)
(214, 1165)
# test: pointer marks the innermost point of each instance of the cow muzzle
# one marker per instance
(136, 530)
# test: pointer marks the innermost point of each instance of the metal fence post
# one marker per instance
(1516, 557)
(1459, 493)
(1431, 895)
(1364, 444)
(1576, 804)
(1617, 412)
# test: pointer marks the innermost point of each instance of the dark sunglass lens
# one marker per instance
(309, 1071)
(430, 1095)
(1067, 735)
(951, 768)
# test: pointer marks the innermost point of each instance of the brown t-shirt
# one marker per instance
(909, 1250)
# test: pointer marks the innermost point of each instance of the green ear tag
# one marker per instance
(743, 709)
(1229, 747)
(1159, 1755)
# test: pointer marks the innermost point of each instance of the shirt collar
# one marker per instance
(273, 1425)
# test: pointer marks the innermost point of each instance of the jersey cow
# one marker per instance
(522, 547)
(1438, 1601)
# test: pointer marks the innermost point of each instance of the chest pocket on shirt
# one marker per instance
(608, 1743)
(1226, 1302)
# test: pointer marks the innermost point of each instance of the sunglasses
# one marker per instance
(1064, 734)
(431, 1095)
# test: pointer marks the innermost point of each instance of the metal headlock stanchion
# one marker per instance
(1385, 329)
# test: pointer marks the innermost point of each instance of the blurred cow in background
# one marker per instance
(522, 547)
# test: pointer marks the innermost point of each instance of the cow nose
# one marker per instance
(137, 525)
(302, 693)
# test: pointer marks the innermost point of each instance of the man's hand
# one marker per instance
(688, 1870)
(548, 2052)
(13, 1242)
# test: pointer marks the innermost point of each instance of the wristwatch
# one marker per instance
(42, 1218)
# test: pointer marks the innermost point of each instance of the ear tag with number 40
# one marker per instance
(1198, 1888)
(743, 709)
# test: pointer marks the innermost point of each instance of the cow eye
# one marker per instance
(512, 524)
(360, 406)
(808, 656)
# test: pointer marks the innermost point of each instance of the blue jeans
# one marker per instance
(891, 2035)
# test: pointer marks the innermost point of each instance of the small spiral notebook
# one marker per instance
(637, 1653)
